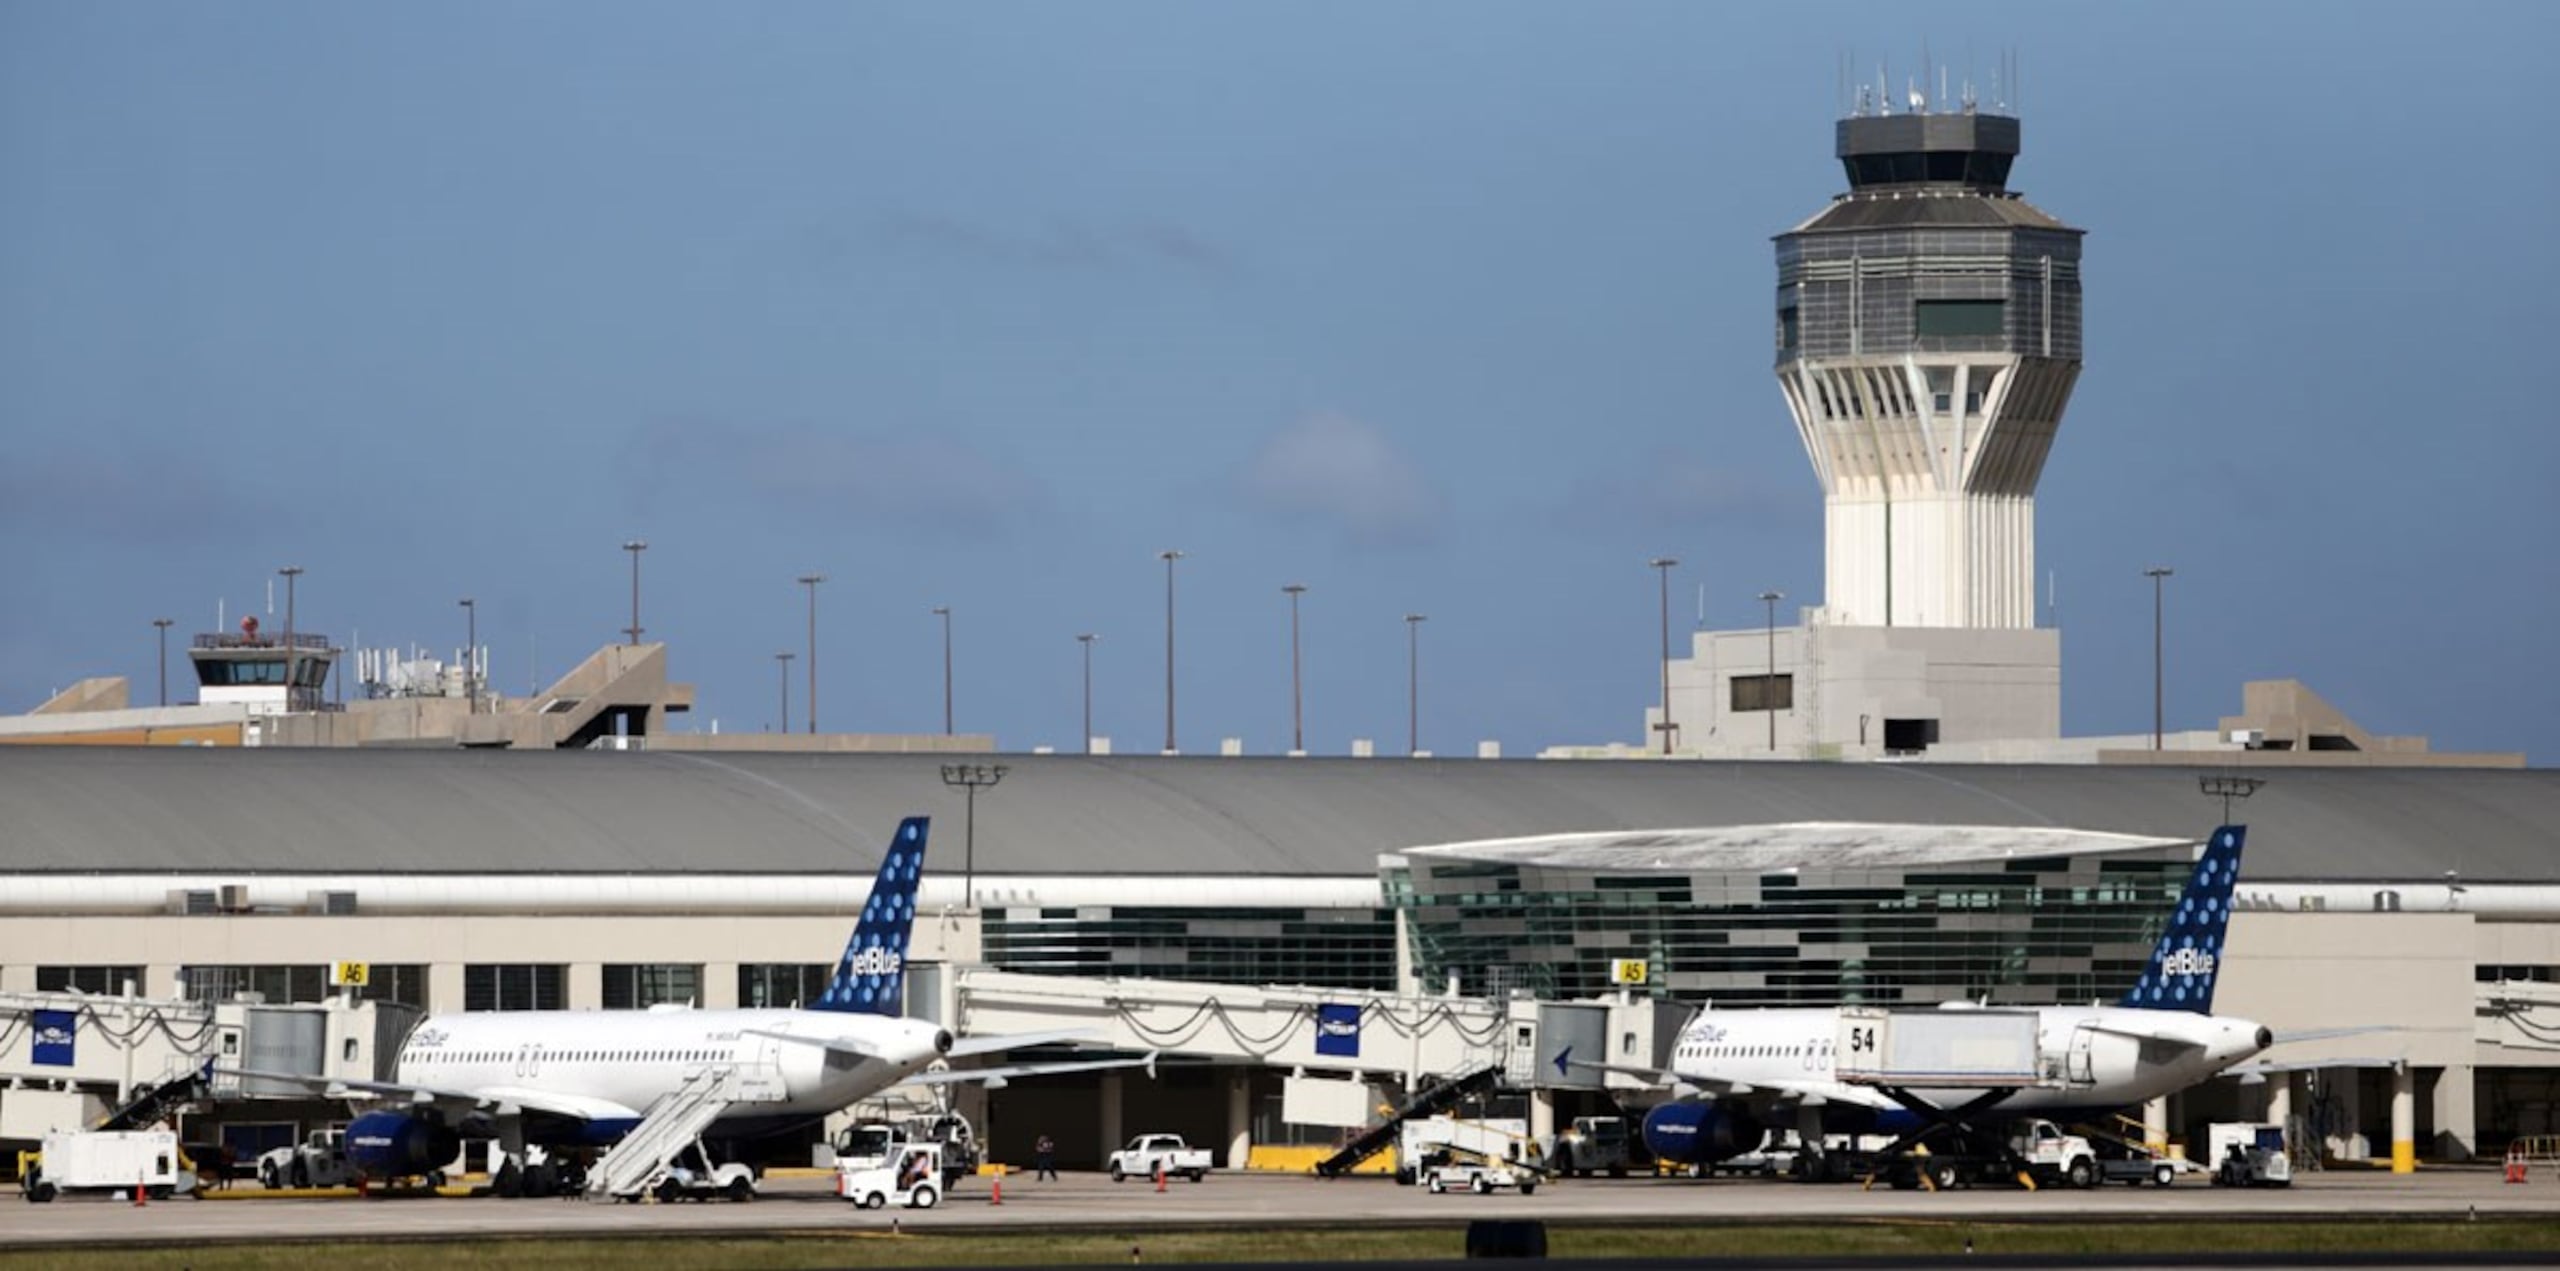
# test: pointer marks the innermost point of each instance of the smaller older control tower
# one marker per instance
(1928, 336)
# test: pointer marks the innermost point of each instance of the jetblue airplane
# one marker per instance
(1751, 1070)
(588, 1078)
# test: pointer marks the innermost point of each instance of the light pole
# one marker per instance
(164, 624)
(471, 653)
(2156, 573)
(1297, 702)
(944, 612)
(782, 661)
(1413, 683)
(635, 547)
(1087, 640)
(290, 573)
(1769, 686)
(1663, 565)
(1169, 557)
(811, 582)
(2227, 789)
(971, 777)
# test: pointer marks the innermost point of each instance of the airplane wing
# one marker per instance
(2251, 1074)
(2155, 1036)
(1758, 1094)
(549, 1102)
(577, 1107)
(840, 1045)
(993, 1042)
(1001, 1076)
(2323, 1034)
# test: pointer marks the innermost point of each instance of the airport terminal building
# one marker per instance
(1833, 813)
(2425, 900)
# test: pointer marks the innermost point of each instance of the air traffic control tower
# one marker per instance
(1928, 336)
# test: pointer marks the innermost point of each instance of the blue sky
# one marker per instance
(1459, 309)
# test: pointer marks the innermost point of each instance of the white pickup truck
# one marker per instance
(1149, 1153)
(319, 1160)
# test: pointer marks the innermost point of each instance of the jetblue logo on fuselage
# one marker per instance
(2187, 961)
(875, 961)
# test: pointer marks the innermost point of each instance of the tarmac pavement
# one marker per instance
(1083, 1200)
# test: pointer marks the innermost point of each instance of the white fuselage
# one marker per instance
(628, 1059)
(2092, 1056)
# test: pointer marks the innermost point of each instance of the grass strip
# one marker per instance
(872, 1248)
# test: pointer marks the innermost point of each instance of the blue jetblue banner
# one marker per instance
(56, 1033)
(1338, 1031)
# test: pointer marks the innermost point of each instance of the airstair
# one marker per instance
(670, 1125)
(1431, 1102)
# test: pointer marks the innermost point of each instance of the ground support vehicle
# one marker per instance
(911, 1175)
(1149, 1154)
(692, 1175)
(2036, 1152)
(108, 1161)
(319, 1160)
(1463, 1171)
(1424, 1140)
(2134, 1171)
(1591, 1143)
(870, 1143)
(2246, 1154)
(1769, 1162)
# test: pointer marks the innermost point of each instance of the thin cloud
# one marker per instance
(928, 485)
(1336, 471)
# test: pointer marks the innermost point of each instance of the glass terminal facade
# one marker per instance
(2070, 928)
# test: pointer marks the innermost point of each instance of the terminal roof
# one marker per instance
(194, 809)
(1808, 845)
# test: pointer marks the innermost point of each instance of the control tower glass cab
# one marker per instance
(1928, 336)
(265, 671)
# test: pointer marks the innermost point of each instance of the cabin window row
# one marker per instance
(678, 1055)
(1757, 1052)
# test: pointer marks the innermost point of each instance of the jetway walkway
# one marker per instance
(1342, 1030)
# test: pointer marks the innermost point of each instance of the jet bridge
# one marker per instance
(1331, 1046)
(1378, 1035)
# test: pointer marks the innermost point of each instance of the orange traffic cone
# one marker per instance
(995, 1191)
(141, 1193)
(1159, 1176)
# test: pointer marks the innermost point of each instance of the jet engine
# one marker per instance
(391, 1145)
(1701, 1133)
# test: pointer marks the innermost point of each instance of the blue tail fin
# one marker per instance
(869, 979)
(2183, 966)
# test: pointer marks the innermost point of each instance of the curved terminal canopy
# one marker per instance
(1969, 150)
